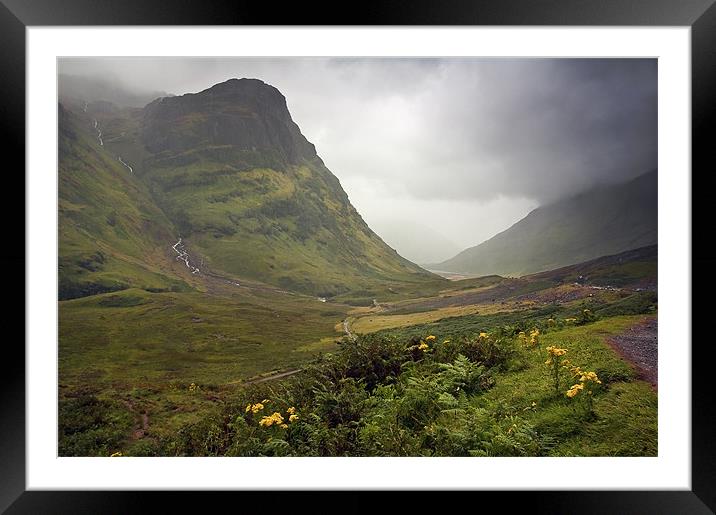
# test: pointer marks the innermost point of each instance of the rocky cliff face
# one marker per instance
(246, 114)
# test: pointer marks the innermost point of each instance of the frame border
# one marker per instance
(700, 15)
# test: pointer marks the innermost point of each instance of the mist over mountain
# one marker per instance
(96, 88)
(601, 221)
(417, 242)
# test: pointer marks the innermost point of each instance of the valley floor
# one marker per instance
(139, 368)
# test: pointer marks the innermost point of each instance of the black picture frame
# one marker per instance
(17, 15)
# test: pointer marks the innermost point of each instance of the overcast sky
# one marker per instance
(440, 154)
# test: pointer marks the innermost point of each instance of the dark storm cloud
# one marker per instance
(547, 128)
(463, 147)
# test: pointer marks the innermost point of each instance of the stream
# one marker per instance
(128, 167)
(99, 132)
(182, 255)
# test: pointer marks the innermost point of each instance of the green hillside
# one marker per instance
(111, 234)
(251, 198)
(600, 222)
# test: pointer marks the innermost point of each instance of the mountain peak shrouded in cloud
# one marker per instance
(496, 137)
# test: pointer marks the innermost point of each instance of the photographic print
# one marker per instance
(357, 256)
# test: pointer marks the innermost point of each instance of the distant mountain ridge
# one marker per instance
(600, 222)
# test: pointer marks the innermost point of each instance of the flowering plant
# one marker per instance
(554, 362)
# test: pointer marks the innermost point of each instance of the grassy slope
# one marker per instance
(134, 335)
(634, 268)
(111, 235)
(138, 352)
(283, 228)
(626, 409)
(597, 223)
(626, 421)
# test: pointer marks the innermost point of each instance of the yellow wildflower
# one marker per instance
(556, 351)
(284, 426)
(248, 407)
(293, 418)
(257, 407)
(575, 389)
(274, 418)
(423, 346)
(429, 338)
(484, 335)
(116, 455)
(291, 410)
(589, 376)
(446, 341)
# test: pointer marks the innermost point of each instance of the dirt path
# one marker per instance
(140, 428)
(639, 346)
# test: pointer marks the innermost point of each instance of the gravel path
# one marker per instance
(638, 345)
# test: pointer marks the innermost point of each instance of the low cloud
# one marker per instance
(464, 147)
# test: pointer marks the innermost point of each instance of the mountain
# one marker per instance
(228, 171)
(602, 221)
